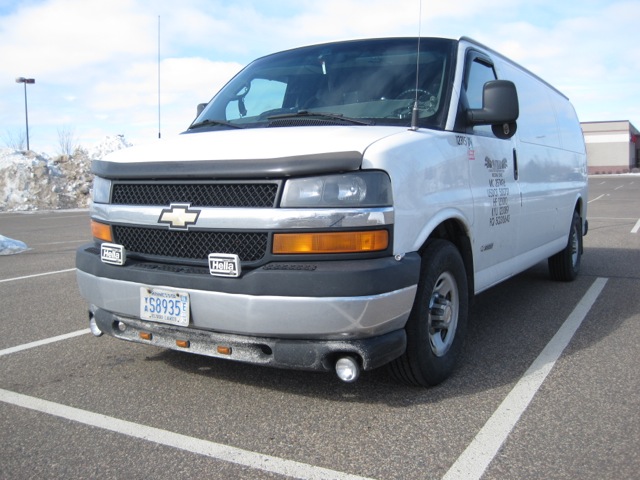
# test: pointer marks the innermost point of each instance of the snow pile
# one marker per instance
(8, 246)
(30, 181)
(108, 145)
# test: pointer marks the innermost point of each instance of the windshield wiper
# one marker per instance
(322, 115)
(209, 122)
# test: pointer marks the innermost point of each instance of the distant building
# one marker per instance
(612, 147)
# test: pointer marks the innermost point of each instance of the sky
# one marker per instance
(97, 63)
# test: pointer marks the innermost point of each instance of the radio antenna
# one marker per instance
(159, 130)
(415, 112)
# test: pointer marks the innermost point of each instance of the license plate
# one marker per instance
(164, 306)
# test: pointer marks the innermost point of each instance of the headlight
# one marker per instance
(101, 191)
(357, 189)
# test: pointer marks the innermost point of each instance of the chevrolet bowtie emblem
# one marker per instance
(179, 216)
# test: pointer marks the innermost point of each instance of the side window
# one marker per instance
(260, 96)
(478, 73)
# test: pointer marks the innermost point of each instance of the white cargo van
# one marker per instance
(335, 207)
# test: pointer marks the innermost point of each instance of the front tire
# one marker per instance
(438, 320)
(565, 265)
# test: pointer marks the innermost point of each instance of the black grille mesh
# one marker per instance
(193, 244)
(256, 195)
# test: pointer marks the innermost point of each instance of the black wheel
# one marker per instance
(565, 265)
(438, 321)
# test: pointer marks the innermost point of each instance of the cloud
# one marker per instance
(95, 61)
(95, 65)
(184, 82)
(60, 37)
(586, 56)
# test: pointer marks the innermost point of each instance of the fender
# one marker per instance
(441, 217)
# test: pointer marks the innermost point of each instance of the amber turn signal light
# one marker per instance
(101, 231)
(332, 242)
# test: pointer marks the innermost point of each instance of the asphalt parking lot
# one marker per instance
(548, 386)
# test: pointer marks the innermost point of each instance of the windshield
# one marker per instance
(360, 82)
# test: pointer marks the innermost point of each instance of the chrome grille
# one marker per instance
(192, 244)
(252, 195)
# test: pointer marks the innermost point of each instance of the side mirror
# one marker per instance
(499, 108)
(200, 108)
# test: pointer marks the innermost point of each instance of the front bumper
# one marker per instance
(320, 355)
(331, 300)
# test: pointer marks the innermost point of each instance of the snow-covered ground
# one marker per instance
(31, 181)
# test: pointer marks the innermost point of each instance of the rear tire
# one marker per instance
(438, 320)
(565, 265)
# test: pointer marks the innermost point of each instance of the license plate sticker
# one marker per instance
(224, 265)
(164, 306)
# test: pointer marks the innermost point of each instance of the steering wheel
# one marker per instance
(413, 93)
(426, 101)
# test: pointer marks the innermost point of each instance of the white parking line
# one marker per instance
(64, 214)
(84, 240)
(214, 450)
(636, 228)
(481, 451)
(37, 275)
(597, 198)
(45, 341)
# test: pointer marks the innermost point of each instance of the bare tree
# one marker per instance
(67, 140)
(16, 141)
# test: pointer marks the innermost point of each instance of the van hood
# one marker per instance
(265, 152)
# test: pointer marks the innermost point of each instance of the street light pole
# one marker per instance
(26, 113)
